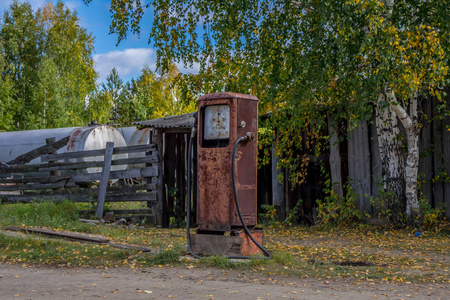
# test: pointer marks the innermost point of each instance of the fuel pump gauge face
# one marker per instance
(217, 122)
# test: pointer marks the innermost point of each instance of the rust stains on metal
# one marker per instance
(227, 95)
(180, 121)
(216, 208)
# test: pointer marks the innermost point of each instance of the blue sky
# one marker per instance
(128, 57)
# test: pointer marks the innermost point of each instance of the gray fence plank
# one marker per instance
(104, 179)
(359, 165)
(100, 152)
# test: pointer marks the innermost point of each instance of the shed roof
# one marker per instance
(179, 121)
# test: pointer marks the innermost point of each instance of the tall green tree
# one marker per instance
(21, 37)
(143, 94)
(6, 101)
(48, 64)
(303, 57)
(70, 47)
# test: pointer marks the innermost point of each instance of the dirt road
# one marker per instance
(35, 283)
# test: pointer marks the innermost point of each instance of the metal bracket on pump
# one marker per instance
(226, 178)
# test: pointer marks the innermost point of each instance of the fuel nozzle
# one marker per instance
(249, 137)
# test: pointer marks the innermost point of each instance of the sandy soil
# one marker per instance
(17, 282)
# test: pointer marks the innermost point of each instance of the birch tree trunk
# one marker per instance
(391, 159)
(410, 122)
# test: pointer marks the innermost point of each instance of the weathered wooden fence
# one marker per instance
(357, 157)
(86, 176)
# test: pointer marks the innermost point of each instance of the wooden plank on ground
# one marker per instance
(78, 237)
(67, 235)
(99, 152)
(104, 179)
(29, 156)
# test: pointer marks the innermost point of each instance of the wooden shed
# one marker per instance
(171, 135)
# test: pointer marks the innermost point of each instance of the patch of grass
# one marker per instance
(221, 262)
(165, 257)
(48, 213)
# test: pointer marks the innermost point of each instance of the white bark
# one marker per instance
(410, 122)
(391, 155)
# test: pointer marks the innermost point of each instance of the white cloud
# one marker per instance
(73, 5)
(128, 62)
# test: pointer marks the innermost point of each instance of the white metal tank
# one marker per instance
(135, 137)
(15, 143)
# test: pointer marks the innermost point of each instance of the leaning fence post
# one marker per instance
(104, 180)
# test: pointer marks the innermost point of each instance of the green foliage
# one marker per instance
(389, 208)
(432, 219)
(305, 60)
(46, 67)
(338, 211)
(269, 216)
(294, 214)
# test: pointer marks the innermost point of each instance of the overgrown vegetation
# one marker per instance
(362, 252)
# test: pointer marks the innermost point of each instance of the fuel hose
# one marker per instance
(266, 253)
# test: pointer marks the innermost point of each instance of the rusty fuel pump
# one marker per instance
(227, 132)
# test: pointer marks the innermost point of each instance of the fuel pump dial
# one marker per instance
(217, 122)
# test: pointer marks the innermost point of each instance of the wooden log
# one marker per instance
(104, 179)
(74, 236)
(29, 156)
(100, 152)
